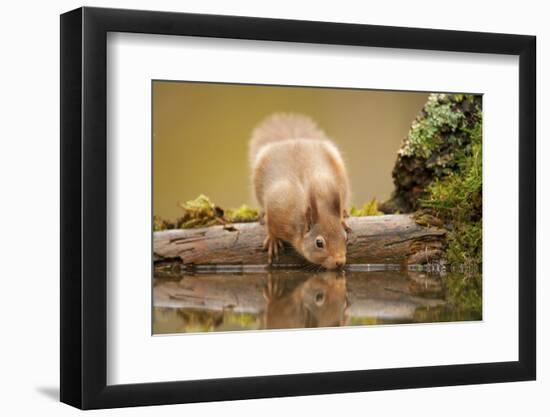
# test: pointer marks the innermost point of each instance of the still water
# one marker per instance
(186, 302)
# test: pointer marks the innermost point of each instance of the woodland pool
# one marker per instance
(215, 301)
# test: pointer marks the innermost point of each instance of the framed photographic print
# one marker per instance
(258, 207)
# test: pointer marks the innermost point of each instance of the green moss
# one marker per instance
(457, 199)
(201, 212)
(427, 218)
(158, 224)
(242, 214)
(464, 244)
(368, 209)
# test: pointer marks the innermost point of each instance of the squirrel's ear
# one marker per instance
(312, 214)
(337, 204)
(309, 220)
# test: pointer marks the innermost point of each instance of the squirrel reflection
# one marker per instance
(320, 301)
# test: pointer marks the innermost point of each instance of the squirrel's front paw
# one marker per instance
(272, 246)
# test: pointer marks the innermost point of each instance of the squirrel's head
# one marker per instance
(325, 234)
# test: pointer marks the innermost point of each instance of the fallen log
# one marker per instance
(395, 239)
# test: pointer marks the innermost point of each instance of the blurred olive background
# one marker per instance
(201, 133)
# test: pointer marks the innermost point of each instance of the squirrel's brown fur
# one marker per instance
(300, 181)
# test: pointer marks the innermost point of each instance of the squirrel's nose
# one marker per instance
(339, 265)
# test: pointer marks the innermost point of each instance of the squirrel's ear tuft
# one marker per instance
(309, 220)
(312, 214)
(337, 204)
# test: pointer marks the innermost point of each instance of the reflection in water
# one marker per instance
(281, 299)
(319, 301)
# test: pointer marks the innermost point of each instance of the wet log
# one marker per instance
(395, 239)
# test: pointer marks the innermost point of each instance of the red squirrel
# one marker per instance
(301, 183)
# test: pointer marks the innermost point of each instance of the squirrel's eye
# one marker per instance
(320, 243)
(319, 298)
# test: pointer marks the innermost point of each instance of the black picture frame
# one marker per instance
(84, 207)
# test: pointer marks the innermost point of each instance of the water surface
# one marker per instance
(185, 302)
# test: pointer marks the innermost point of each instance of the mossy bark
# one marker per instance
(439, 139)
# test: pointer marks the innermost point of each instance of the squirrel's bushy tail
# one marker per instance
(283, 126)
